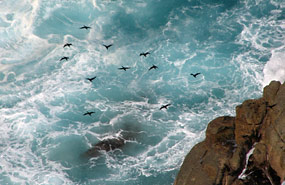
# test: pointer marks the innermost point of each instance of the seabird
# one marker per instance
(195, 74)
(107, 46)
(153, 67)
(271, 106)
(67, 44)
(64, 58)
(124, 68)
(85, 27)
(91, 79)
(88, 113)
(164, 106)
(144, 54)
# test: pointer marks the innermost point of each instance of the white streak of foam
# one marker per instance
(94, 3)
(275, 68)
(249, 153)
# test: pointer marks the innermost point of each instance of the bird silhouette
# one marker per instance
(67, 44)
(88, 113)
(85, 27)
(91, 79)
(195, 74)
(153, 67)
(164, 106)
(144, 54)
(124, 68)
(271, 106)
(107, 46)
(64, 58)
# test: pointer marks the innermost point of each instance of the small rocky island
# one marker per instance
(248, 149)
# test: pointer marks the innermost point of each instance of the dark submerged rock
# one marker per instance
(109, 144)
(105, 145)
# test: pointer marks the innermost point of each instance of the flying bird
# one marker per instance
(164, 106)
(195, 74)
(88, 113)
(271, 106)
(107, 46)
(91, 79)
(64, 58)
(85, 27)
(153, 67)
(67, 44)
(124, 68)
(144, 54)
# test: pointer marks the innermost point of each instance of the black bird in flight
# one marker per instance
(195, 74)
(85, 27)
(271, 106)
(144, 54)
(91, 79)
(124, 68)
(67, 44)
(64, 58)
(88, 113)
(153, 67)
(164, 106)
(107, 46)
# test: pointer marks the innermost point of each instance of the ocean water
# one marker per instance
(237, 46)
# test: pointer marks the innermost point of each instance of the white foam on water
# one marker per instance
(274, 69)
(164, 155)
(18, 44)
(266, 36)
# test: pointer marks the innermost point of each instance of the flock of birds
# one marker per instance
(121, 68)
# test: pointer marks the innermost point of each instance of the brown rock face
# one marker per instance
(249, 117)
(209, 154)
(221, 158)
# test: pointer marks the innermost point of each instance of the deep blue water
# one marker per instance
(237, 46)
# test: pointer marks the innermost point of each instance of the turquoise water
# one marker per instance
(237, 46)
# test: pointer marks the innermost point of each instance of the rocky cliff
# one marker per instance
(248, 149)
